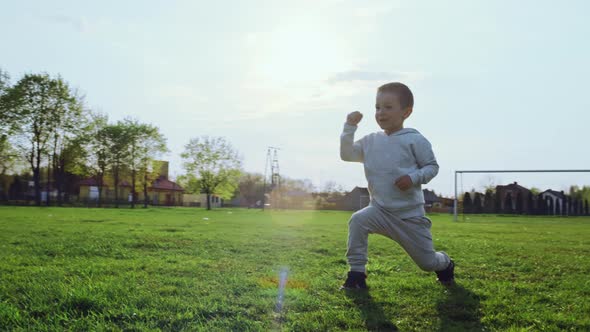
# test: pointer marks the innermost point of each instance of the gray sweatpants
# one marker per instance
(412, 234)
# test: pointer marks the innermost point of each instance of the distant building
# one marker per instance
(514, 195)
(214, 201)
(162, 191)
(165, 192)
(359, 198)
(556, 198)
(431, 200)
(355, 200)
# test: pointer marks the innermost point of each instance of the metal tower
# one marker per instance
(272, 164)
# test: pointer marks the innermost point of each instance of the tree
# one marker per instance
(215, 164)
(535, 190)
(8, 155)
(152, 145)
(68, 164)
(586, 211)
(4, 114)
(508, 203)
(34, 108)
(149, 172)
(4, 81)
(96, 144)
(144, 142)
(292, 194)
(467, 203)
(329, 195)
(497, 203)
(190, 183)
(7, 152)
(118, 142)
(251, 188)
(489, 184)
(489, 202)
(519, 203)
(477, 203)
(529, 203)
(66, 150)
(541, 205)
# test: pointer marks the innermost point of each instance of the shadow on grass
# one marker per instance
(371, 311)
(460, 310)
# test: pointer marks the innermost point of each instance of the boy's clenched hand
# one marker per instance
(404, 183)
(354, 118)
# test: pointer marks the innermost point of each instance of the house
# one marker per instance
(355, 200)
(200, 200)
(165, 192)
(162, 191)
(214, 201)
(447, 202)
(431, 199)
(359, 198)
(89, 191)
(514, 198)
(556, 202)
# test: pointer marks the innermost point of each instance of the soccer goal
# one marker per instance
(461, 172)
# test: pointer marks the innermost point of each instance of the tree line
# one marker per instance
(46, 125)
(575, 204)
(48, 133)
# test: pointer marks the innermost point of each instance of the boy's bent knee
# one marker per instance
(355, 221)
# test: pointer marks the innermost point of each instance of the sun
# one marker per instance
(302, 52)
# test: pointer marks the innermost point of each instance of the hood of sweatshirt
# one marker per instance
(404, 131)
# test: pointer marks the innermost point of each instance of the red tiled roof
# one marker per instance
(165, 184)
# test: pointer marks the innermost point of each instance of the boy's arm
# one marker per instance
(350, 150)
(427, 165)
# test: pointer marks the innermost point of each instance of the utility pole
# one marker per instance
(272, 164)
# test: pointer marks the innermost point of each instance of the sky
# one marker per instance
(497, 84)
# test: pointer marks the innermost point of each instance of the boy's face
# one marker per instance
(388, 112)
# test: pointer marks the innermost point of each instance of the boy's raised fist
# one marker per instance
(354, 118)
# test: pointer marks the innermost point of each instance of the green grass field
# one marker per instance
(191, 269)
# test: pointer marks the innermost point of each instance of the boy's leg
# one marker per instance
(361, 224)
(414, 236)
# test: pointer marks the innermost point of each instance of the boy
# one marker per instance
(396, 161)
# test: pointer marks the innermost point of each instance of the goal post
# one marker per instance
(456, 200)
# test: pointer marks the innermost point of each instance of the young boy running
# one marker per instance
(397, 161)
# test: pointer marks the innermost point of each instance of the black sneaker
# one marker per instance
(447, 276)
(355, 280)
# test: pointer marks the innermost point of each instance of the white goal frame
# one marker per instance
(510, 171)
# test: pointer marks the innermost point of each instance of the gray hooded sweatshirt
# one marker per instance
(388, 157)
